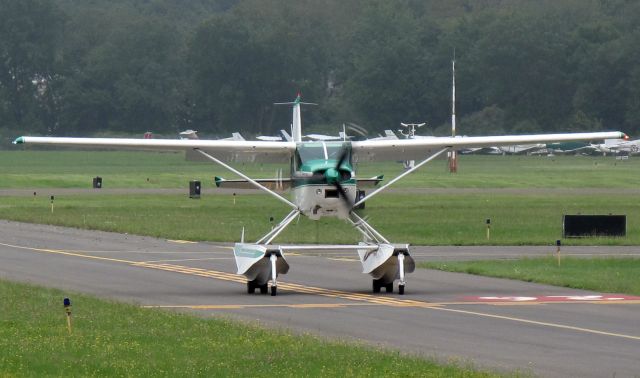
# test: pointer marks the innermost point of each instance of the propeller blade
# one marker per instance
(343, 157)
(358, 129)
(343, 193)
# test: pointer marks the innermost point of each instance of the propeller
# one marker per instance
(343, 194)
(334, 175)
(357, 129)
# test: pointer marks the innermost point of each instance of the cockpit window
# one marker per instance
(316, 151)
(310, 151)
(334, 151)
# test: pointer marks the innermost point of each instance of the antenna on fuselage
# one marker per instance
(296, 125)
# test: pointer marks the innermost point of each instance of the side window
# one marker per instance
(297, 161)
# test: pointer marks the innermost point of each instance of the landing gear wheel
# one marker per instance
(274, 291)
(376, 286)
(389, 287)
(251, 287)
(401, 289)
(264, 289)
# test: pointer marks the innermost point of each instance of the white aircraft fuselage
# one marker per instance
(323, 179)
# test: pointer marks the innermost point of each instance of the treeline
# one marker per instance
(91, 67)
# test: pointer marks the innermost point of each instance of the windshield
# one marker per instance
(310, 151)
(316, 151)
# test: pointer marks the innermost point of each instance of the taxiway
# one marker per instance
(494, 323)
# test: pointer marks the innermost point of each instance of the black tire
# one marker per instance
(264, 289)
(274, 291)
(401, 289)
(376, 286)
(251, 287)
(389, 287)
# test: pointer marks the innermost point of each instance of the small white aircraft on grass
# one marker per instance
(324, 183)
(619, 146)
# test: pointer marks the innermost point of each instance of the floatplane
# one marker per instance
(324, 184)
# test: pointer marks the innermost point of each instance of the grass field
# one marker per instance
(74, 169)
(113, 339)
(607, 275)
(412, 218)
(434, 219)
(117, 339)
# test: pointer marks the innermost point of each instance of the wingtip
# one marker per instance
(19, 140)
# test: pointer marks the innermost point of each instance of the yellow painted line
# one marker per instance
(321, 305)
(342, 259)
(61, 252)
(158, 252)
(535, 322)
(182, 241)
(334, 293)
(288, 286)
(222, 246)
(243, 306)
(201, 259)
(531, 303)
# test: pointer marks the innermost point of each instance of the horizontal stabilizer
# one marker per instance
(370, 182)
(273, 184)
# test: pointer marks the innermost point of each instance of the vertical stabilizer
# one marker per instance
(453, 98)
(296, 125)
(296, 122)
(453, 158)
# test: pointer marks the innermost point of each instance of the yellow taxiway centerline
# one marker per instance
(359, 297)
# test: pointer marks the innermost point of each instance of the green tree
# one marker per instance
(390, 77)
(260, 53)
(30, 32)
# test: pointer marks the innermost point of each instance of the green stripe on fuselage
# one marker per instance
(320, 165)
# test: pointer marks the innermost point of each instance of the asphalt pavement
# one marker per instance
(495, 323)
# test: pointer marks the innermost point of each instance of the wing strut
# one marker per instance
(425, 161)
(249, 179)
(268, 238)
(366, 229)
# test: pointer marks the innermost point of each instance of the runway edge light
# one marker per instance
(558, 243)
(67, 310)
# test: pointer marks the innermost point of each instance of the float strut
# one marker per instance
(274, 283)
(401, 271)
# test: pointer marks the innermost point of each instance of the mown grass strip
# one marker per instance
(131, 169)
(115, 339)
(410, 218)
(607, 275)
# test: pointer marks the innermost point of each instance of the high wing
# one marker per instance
(225, 150)
(409, 149)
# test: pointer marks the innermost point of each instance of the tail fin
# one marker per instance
(296, 123)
